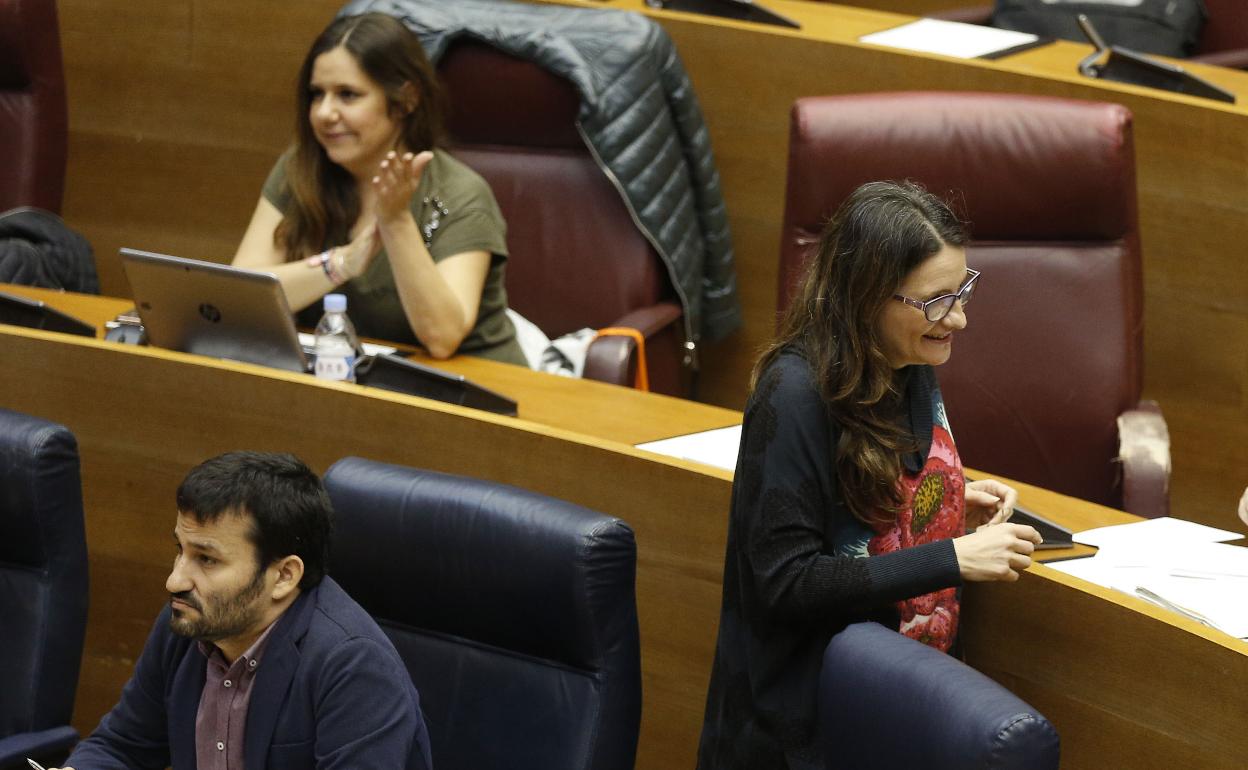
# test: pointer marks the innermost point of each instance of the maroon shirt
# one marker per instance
(221, 723)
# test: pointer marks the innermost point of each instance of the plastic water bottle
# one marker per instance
(336, 342)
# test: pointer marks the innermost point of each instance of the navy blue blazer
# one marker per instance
(330, 692)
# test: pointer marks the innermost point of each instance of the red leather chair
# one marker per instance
(576, 257)
(33, 122)
(1044, 385)
(1223, 42)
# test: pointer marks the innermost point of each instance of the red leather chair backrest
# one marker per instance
(576, 257)
(33, 122)
(1226, 27)
(1053, 350)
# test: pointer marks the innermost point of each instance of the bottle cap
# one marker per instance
(335, 303)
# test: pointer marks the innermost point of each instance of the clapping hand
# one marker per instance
(396, 181)
(988, 502)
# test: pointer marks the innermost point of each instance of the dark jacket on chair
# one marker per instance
(639, 117)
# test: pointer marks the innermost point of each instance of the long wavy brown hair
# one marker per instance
(324, 199)
(882, 232)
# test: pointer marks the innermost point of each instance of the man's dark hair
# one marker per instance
(289, 508)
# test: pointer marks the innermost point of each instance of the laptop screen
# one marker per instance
(213, 310)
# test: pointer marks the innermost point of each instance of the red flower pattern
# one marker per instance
(934, 509)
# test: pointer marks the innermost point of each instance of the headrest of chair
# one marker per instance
(483, 561)
(1023, 167)
(40, 490)
(875, 681)
(499, 99)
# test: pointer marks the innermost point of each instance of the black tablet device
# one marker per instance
(1127, 66)
(740, 10)
(1055, 535)
(34, 314)
(391, 372)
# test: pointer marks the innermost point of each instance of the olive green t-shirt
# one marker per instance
(455, 212)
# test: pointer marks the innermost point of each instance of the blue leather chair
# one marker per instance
(43, 588)
(514, 612)
(888, 702)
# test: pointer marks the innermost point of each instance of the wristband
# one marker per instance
(325, 261)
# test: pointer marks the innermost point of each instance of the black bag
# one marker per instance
(1165, 27)
(38, 249)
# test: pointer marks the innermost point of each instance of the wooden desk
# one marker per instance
(1126, 684)
(144, 416)
(178, 110)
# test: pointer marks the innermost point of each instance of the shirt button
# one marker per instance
(227, 683)
(220, 746)
(251, 663)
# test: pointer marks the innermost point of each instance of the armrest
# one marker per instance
(614, 359)
(967, 14)
(1236, 58)
(874, 679)
(1144, 451)
(650, 320)
(49, 746)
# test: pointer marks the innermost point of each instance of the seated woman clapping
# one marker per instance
(366, 204)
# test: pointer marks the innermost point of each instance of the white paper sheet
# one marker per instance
(1206, 581)
(716, 447)
(949, 38)
(1162, 532)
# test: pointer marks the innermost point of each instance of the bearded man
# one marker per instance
(259, 660)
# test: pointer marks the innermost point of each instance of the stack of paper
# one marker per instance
(1175, 564)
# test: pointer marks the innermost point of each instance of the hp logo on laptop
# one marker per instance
(209, 312)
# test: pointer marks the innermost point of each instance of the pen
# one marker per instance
(34, 765)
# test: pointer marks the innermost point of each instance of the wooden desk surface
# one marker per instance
(1127, 685)
(552, 401)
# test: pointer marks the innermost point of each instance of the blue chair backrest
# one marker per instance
(514, 612)
(43, 574)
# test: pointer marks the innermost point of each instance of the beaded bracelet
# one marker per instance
(325, 260)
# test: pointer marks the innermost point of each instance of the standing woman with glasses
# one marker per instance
(849, 501)
(367, 204)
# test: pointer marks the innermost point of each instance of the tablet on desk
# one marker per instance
(214, 310)
(1055, 535)
(390, 372)
(227, 312)
(34, 314)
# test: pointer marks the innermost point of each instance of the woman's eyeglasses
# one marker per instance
(937, 308)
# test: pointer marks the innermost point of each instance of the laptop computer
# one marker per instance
(213, 310)
(226, 312)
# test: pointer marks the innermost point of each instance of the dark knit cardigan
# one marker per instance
(795, 572)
